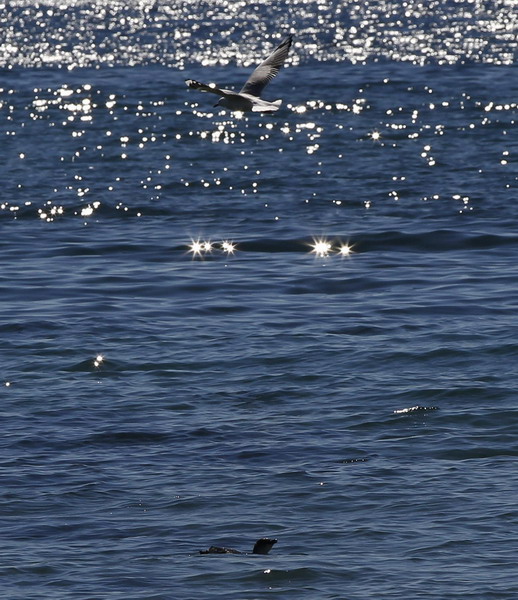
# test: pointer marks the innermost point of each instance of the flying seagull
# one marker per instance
(248, 99)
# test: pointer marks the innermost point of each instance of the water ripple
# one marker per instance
(221, 32)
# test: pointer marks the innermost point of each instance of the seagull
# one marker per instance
(248, 99)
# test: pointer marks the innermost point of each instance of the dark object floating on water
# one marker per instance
(350, 461)
(414, 409)
(262, 546)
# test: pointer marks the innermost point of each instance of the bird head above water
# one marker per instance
(263, 546)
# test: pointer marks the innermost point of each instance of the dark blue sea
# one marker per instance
(217, 327)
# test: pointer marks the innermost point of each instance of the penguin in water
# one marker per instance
(262, 546)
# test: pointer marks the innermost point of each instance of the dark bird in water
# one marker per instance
(262, 546)
(248, 99)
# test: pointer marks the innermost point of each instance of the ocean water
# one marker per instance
(219, 327)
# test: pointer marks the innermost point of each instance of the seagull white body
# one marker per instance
(249, 98)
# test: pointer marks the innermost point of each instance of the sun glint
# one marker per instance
(345, 250)
(228, 247)
(321, 247)
(196, 247)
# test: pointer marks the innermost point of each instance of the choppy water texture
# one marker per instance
(228, 31)
(220, 327)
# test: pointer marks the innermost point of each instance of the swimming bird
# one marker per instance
(262, 546)
(248, 99)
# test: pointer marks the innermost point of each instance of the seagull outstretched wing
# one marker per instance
(267, 70)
